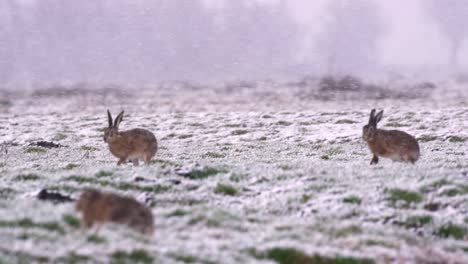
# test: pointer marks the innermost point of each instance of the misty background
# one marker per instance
(141, 41)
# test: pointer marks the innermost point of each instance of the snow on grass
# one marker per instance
(238, 180)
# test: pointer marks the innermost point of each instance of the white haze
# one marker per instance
(140, 42)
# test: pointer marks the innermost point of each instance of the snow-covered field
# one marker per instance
(243, 175)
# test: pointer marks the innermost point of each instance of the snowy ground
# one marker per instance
(273, 173)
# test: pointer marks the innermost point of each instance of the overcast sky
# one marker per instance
(412, 38)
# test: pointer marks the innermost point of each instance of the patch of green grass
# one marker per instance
(350, 230)
(184, 136)
(294, 256)
(119, 185)
(458, 190)
(185, 258)
(455, 139)
(35, 150)
(405, 196)
(88, 148)
(417, 221)
(426, 138)
(72, 221)
(352, 199)
(286, 167)
(451, 230)
(71, 166)
(136, 256)
(27, 177)
(103, 173)
(380, 243)
(213, 155)
(66, 188)
(59, 136)
(28, 223)
(165, 163)
(345, 121)
(396, 124)
(22, 257)
(435, 185)
(235, 177)
(73, 258)
(233, 125)
(283, 123)
(177, 213)
(196, 124)
(305, 198)
(157, 188)
(225, 189)
(239, 132)
(96, 239)
(203, 173)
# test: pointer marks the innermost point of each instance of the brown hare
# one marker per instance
(393, 144)
(132, 144)
(100, 207)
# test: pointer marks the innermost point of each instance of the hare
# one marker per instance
(132, 144)
(394, 144)
(99, 207)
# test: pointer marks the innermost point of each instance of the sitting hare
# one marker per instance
(394, 144)
(132, 144)
(99, 207)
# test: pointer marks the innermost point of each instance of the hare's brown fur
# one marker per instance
(394, 144)
(132, 144)
(99, 207)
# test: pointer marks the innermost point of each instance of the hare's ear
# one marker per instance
(109, 118)
(378, 117)
(371, 117)
(118, 119)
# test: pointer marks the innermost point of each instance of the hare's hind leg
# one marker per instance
(374, 160)
(121, 160)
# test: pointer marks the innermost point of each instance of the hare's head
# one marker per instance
(369, 130)
(87, 197)
(113, 128)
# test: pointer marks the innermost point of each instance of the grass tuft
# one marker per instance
(451, 231)
(96, 239)
(426, 138)
(136, 256)
(203, 173)
(239, 132)
(88, 148)
(71, 221)
(225, 189)
(35, 150)
(103, 173)
(27, 177)
(345, 121)
(350, 230)
(71, 166)
(177, 213)
(293, 256)
(213, 155)
(417, 221)
(352, 199)
(28, 223)
(456, 139)
(405, 196)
